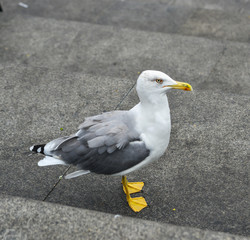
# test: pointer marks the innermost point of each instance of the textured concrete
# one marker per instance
(34, 104)
(203, 175)
(224, 19)
(213, 23)
(232, 71)
(204, 172)
(25, 219)
(55, 72)
(108, 51)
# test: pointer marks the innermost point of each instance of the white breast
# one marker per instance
(154, 124)
(155, 129)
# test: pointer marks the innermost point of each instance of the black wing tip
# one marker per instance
(37, 148)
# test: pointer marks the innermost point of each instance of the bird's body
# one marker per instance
(119, 142)
(154, 126)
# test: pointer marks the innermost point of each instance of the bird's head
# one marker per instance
(153, 84)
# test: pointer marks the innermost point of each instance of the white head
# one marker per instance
(153, 85)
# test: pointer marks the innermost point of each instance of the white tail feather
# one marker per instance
(48, 161)
(76, 174)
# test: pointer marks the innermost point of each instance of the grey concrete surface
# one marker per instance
(224, 19)
(23, 219)
(203, 175)
(34, 104)
(55, 72)
(213, 23)
(109, 51)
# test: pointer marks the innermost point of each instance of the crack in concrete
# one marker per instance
(65, 172)
(217, 62)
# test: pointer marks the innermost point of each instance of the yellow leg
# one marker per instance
(138, 203)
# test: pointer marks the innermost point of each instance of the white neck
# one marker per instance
(153, 122)
(152, 98)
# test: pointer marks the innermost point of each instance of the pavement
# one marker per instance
(65, 60)
(29, 219)
(223, 20)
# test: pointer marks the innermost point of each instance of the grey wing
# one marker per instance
(104, 144)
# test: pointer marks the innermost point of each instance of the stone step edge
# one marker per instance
(27, 218)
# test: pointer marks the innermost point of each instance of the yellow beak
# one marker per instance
(182, 86)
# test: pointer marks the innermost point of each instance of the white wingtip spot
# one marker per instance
(39, 150)
(31, 148)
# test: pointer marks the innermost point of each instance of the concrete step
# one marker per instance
(53, 73)
(27, 219)
(202, 180)
(226, 20)
(110, 51)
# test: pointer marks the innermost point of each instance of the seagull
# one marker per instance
(120, 142)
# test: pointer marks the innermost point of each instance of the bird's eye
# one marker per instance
(160, 81)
